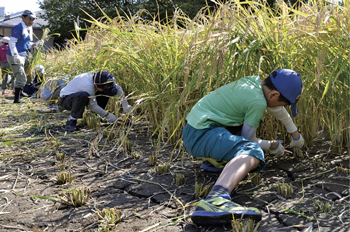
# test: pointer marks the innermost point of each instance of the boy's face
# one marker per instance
(272, 99)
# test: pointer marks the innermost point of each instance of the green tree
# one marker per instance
(61, 14)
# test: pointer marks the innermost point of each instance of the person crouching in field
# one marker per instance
(93, 89)
(242, 102)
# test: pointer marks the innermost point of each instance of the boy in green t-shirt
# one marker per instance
(240, 103)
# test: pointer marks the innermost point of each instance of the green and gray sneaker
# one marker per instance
(220, 210)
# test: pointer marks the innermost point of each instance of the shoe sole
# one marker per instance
(214, 218)
(210, 168)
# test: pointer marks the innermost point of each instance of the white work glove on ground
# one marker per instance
(39, 43)
(298, 142)
(17, 59)
(279, 150)
(127, 109)
(110, 118)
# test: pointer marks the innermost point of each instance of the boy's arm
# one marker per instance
(249, 132)
(281, 114)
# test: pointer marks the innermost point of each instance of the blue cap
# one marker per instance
(289, 84)
(106, 81)
(29, 13)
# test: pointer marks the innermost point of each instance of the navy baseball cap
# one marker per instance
(106, 81)
(289, 84)
(29, 13)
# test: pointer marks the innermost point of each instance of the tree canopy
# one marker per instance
(61, 14)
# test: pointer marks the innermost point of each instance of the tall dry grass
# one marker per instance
(167, 68)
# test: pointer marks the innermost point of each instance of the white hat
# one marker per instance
(40, 68)
(5, 39)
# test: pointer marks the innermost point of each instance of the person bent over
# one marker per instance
(239, 103)
(93, 89)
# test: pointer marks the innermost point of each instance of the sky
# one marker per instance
(13, 6)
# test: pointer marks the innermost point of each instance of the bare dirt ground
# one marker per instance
(31, 136)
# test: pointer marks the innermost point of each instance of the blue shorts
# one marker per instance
(218, 143)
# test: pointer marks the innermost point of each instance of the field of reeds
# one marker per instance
(167, 67)
(138, 177)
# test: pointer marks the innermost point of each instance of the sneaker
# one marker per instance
(19, 101)
(71, 125)
(4, 92)
(220, 210)
(23, 94)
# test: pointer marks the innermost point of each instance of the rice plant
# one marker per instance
(244, 225)
(108, 218)
(153, 160)
(168, 68)
(60, 156)
(136, 154)
(162, 168)
(321, 206)
(179, 179)
(201, 190)
(284, 189)
(76, 197)
(255, 178)
(342, 170)
(110, 135)
(317, 162)
(64, 177)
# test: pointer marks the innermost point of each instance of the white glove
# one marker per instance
(110, 118)
(279, 150)
(39, 43)
(17, 59)
(298, 142)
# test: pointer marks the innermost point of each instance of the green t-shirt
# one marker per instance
(230, 105)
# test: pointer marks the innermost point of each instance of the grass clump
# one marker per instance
(64, 177)
(179, 179)
(136, 154)
(298, 153)
(284, 189)
(60, 156)
(201, 190)
(162, 168)
(321, 206)
(317, 162)
(110, 135)
(244, 225)
(125, 143)
(76, 197)
(342, 170)
(108, 218)
(153, 160)
(91, 120)
(255, 178)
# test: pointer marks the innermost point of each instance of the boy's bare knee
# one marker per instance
(255, 162)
